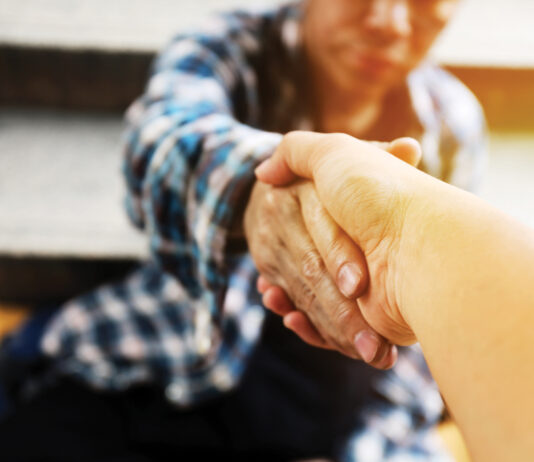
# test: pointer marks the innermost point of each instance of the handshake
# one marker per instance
(359, 252)
(325, 225)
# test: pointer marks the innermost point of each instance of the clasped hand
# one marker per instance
(312, 272)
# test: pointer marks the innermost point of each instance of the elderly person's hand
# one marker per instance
(278, 225)
(349, 178)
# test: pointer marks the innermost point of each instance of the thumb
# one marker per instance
(297, 154)
(293, 158)
(406, 149)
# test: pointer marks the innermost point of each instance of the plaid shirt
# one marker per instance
(214, 107)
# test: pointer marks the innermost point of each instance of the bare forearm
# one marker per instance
(446, 269)
(467, 295)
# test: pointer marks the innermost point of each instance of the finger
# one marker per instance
(336, 318)
(389, 359)
(342, 257)
(277, 301)
(291, 159)
(299, 323)
(262, 284)
(299, 154)
(381, 355)
(406, 149)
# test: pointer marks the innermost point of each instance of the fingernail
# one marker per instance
(366, 343)
(348, 278)
(262, 168)
(389, 359)
(393, 357)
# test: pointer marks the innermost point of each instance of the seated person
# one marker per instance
(181, 358)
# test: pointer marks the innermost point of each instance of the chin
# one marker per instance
(375, 82)
(363, 83)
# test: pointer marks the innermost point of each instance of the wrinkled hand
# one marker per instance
(278, 223)
(349, 179)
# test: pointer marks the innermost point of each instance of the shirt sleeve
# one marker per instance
(463, 141)
(189, 161)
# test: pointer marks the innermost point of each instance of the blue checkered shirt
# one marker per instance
(215, 105)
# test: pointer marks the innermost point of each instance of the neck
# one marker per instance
(336, 110)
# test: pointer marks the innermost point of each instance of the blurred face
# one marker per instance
(371, 45)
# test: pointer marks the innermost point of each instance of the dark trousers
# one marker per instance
(294, 402)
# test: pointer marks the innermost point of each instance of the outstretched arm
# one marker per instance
(446, 269)
(190, 158)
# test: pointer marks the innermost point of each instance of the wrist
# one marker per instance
(419, 224)
(436, 227)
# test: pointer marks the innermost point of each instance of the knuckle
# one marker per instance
(264, 267)
(333, 140)
(342, 316)
(343, 319)
(286, 204)
(336, 248)
(265, 263)
(292, 135)
(279, 204)
(312, 266)
(315, 216)
(304, 298)
(255, 248)
(270, 200)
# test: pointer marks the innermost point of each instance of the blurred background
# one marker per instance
(69, 68)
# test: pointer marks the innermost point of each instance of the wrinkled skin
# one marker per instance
(277, 223)
(348, 180)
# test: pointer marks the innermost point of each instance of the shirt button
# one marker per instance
(176, 392)
(222, 378)
(103, 370)
(203, 343)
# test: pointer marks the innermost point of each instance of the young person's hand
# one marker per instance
(444, 267)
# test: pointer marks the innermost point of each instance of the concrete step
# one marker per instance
(95, 55)
(89, 54)
(61, 188)
(63, 228)
(105, 25)
(483, 33)
(93, 80)
(42, 280)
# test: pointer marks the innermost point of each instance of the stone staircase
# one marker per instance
(69, 68)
